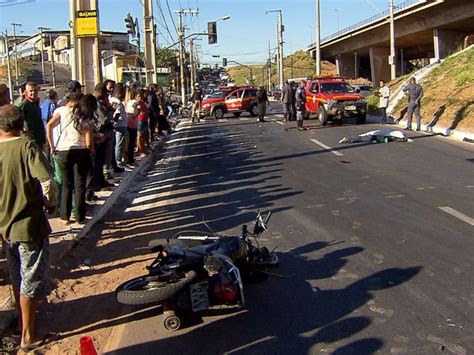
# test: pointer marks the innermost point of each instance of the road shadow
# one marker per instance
(289, 315)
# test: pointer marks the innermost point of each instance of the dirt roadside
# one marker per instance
(82, 301)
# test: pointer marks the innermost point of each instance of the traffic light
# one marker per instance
(224, 62)
(130, 25)
(212, 32)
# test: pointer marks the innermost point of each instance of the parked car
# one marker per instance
(236, 101)
(332, 98)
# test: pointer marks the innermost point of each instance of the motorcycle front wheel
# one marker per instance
(150, 289)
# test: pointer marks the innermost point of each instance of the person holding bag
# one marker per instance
(74, 148)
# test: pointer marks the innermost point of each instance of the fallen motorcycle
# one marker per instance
(198, 272)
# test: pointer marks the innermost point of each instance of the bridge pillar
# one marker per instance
(446, 42)
(345, 65)
(379, 67)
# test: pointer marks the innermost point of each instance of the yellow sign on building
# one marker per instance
(86, 23)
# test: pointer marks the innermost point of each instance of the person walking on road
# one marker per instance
(262, 101)
(287, 100)
(197, 101)
(300, 100)
(26, 189)
(384, 95)
(415, 93)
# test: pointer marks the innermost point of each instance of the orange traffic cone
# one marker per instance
(87, 346)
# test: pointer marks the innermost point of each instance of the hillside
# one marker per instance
(448, 100)
(297, 65)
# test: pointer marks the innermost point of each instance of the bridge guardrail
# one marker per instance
(400, 7)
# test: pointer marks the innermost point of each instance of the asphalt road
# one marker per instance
(376, 241)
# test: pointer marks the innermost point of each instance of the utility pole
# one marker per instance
(191, 58)
(73, 39)
(269, 67)
(53, 70)
(149, 42)
(182, 59)
(280, 30)
(89, 59)
(392, 59)
(318, 38)
(9, 73)
(17, 72)
(42, 52)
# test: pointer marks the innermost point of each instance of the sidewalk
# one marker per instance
(456, 135)
(63, 239)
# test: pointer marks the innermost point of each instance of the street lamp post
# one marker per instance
(392, 61)
(318, 38)
(280, 30)
(338, 19)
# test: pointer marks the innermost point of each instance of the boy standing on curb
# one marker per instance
(26, 187)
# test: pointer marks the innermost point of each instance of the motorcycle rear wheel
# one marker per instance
(150, 289)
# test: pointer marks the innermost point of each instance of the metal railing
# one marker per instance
(398, 8)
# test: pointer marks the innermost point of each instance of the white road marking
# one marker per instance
(458, 215)
(280, 122)
(321, 144)
(244, 119)
(222, 120)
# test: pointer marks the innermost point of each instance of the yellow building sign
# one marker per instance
(86, 23)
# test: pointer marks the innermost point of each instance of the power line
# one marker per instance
(164, 19)
(171, 15)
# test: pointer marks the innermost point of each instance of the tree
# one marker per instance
(167, 58)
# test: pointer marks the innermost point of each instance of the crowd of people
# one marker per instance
(54, 156)
(89, 138)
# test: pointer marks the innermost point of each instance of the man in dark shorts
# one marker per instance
(26, 188)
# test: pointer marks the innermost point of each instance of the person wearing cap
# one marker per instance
(4, 95)
(72, 86)
(197, 100)
(262, 101)
(34, 126)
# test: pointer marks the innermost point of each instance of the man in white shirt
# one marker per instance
(384, 94)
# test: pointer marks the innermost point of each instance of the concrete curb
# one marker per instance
(445, 132)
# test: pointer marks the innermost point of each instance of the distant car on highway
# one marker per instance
(363, 89)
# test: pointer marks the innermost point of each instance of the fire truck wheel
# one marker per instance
(322, 116)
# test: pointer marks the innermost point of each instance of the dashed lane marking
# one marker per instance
(321, 144)
(279, 122)
(222, 120)
(244, 119)
(458, 215)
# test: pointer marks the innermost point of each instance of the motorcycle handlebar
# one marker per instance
(267, 218)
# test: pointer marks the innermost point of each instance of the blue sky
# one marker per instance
(244, 37)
